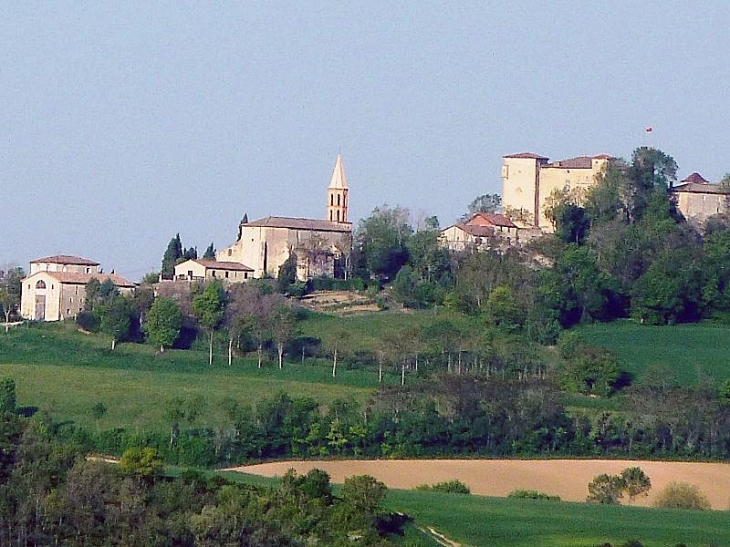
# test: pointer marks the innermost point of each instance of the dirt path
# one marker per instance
(566, 478)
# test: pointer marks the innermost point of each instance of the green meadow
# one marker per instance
(477, 521)
(688, 351)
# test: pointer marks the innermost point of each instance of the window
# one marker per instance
(245, 275)
(226, 275)
(338, 216)
(338, 200)
(230, 252)
(40, 285)
(212, 273)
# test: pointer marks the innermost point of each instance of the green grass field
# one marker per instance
(689, 351)
(504, 522)
(60, 370)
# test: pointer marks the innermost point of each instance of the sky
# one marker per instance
(124, 123)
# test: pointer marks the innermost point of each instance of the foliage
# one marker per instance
(141, 462)
(209, 308)
(163, 322)
(486, 203)
(382, 238)
(287, 274)
(117, 315)
(532, 495)
(680, 495)
(454, 486)
(607, 489)
(7, 396)
(172, 255)
(209, 253)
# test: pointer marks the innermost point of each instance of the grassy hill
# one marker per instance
(66, 372)
(687, 350)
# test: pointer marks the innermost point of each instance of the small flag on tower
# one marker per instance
(648, 129)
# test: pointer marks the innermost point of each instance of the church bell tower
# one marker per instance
(337, 194)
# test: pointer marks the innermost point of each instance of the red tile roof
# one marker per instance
(77, 278)
(701, 188)
(696, 177)
(581, 162)
(301, 224)
(222, 265)
(490, 219)
(602, 157)
(475, 229)
(526, 156)
(65, 259)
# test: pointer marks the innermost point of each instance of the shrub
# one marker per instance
(88, 321)
(680, 495)
(532, 495)
(449, 487)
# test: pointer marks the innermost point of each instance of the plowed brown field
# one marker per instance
(566, 478)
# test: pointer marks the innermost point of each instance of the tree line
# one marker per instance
(53, 493)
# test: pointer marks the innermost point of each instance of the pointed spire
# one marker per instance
(338, 180)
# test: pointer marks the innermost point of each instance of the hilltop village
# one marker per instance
(532, 185)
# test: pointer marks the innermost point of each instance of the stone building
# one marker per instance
(697, 199)
(197, 269)
(481, 230)
(265, 244)
(56, 287)
(529, 179)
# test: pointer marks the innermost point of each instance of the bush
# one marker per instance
(680, 495)
(532, 495)
(88, 321)
(449, 487)
(333, 284)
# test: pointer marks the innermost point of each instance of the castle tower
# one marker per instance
(337, 194)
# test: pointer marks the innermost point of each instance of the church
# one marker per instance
(318, 245)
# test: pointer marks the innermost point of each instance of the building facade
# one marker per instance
(480, 231)
(56, 287)
(265, 244)
(196, 269)
(528, 181)
(697, 199)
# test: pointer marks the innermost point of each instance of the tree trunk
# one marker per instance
(380, 371)
(334, 364)
(162, 348)
(230, 351)
(259, 350)
(280, 350)
(210, 349)
(403, 374)
(114, 341)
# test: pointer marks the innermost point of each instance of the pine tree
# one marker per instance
(173, 253)
(209, 252)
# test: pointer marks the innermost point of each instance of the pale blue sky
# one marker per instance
(122, 123)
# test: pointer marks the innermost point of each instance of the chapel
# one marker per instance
(263, 245)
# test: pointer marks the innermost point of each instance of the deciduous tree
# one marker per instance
(163, 322)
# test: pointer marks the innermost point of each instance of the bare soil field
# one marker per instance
(566, 478)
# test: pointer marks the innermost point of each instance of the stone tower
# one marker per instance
(337, 194)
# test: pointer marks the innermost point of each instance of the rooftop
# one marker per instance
(701, 188)
(696, 178)
(65, 259)
(302, 224)
(494, 219)
(526, 156)
(223, 265)
(78, 278)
